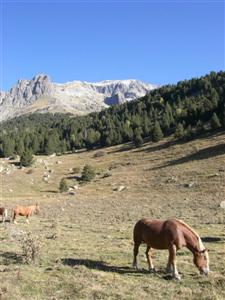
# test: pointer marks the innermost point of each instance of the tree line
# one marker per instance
(184, 109)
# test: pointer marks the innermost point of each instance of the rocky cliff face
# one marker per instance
(41, 95)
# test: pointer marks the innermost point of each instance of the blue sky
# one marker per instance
(154, 41)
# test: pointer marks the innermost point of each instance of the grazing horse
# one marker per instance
(4, 213)
(25, 211)
(171, 234)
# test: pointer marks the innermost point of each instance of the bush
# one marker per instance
(99, 154)
(179, 132)
(63, 187)
(88, 173)
(31, 246)
(26, 159)
(76, 170)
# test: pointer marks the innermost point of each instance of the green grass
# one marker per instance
(86, 239)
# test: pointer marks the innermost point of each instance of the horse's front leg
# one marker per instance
(149, 259)
(27, 219)
(14, 218)
(172, 266)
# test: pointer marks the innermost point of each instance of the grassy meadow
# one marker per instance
(85, 236)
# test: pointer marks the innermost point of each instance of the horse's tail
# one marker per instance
(6, 213)
(137, 232)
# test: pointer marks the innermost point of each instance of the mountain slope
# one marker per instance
(41, 95)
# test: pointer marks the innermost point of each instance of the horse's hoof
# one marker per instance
(152, 270)
(177, 277)
(169, 270)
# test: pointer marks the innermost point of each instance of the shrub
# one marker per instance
(63, 187)
(76, 170)
(88, 173)
(30, 247)
(179, 132)
(99, 154)
(26, 159)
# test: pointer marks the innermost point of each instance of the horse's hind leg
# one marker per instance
(136, 247)
(14, 218)
(149, 259)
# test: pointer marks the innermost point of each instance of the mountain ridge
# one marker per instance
(77, 97)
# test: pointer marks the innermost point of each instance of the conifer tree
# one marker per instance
(157, 134)
(26, 158)
(215, 122)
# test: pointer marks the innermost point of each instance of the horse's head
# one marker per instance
(201, 260)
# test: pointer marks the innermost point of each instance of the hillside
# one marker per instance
(41, 95)
(86, 237)
(188, 108)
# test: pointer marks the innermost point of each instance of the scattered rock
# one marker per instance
(213, 175)
(171, 180)
(189, 185)
(222, 204)
(45, 179)
(72, 193)
(119, 188)
(3, 290)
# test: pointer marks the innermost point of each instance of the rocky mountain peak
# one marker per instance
(41, 95)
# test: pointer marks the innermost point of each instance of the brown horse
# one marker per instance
(172, 235)
(4, 213)
(25, 211)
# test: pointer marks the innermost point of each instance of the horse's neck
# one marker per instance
(32, 208)
(192, 241)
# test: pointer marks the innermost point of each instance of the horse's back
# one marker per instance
(157, 233)
(21, 210)
(149, 232)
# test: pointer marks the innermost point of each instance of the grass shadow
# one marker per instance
(11, 258)
(175, 142)
(212, 239)
(6, 221)
(123, 148)
(101, 266)
(50, 191)
(202, 154)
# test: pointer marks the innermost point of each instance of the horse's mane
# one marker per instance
(201, 246)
